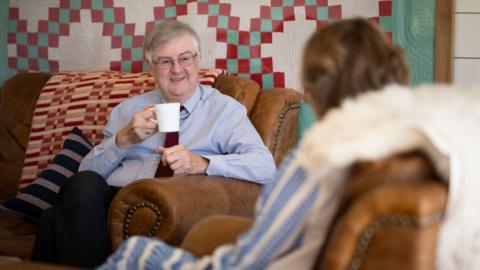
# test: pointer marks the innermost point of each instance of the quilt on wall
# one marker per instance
(262, 40)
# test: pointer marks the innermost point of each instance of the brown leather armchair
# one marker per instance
(162, 208)
(389, 219)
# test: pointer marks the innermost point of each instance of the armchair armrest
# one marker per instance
(167, 208)
(213, 231)
(391, 226)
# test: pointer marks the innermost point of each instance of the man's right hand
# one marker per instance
(141, 127)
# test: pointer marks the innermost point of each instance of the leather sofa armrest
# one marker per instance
(391, 226)
(275, 116)
(214, 231)
(19, 95)
(167, 208)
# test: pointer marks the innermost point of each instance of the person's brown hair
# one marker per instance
(347, 58)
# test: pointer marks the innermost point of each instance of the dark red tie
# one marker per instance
(171, 139)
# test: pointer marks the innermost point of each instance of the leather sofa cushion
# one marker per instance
(17, 235)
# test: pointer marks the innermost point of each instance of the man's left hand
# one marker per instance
(182, 161)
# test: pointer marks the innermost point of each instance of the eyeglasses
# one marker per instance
(183, 60)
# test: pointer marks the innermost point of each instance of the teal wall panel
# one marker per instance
(413, 28)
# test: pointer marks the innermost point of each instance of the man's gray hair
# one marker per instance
(165, 32)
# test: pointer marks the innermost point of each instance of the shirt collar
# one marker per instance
(192, 102)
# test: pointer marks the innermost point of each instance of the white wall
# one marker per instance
(467, 43)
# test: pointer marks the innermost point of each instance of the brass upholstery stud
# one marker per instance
(134, 208)
(280, 123)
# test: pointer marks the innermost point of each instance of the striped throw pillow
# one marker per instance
(43, 192)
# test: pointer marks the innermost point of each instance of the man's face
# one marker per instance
(173, 71)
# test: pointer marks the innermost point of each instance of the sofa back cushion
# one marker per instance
(83, 99)
(242, 89)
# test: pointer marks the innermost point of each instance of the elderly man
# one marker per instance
(216, 138)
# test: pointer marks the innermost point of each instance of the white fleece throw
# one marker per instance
(443, 121)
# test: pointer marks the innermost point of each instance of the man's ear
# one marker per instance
(145, 59)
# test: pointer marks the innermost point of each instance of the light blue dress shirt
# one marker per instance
(212, 125)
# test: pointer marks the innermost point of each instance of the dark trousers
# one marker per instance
(74, 232)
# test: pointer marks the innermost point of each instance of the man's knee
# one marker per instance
(47, 218)
(85, 186)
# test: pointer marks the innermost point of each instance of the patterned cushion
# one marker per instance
(83, 99)
(209, 76)
(43, 192)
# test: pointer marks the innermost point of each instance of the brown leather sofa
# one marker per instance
(389, 219)
(165, 209)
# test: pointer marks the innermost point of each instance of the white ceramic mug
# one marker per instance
(168, 116)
